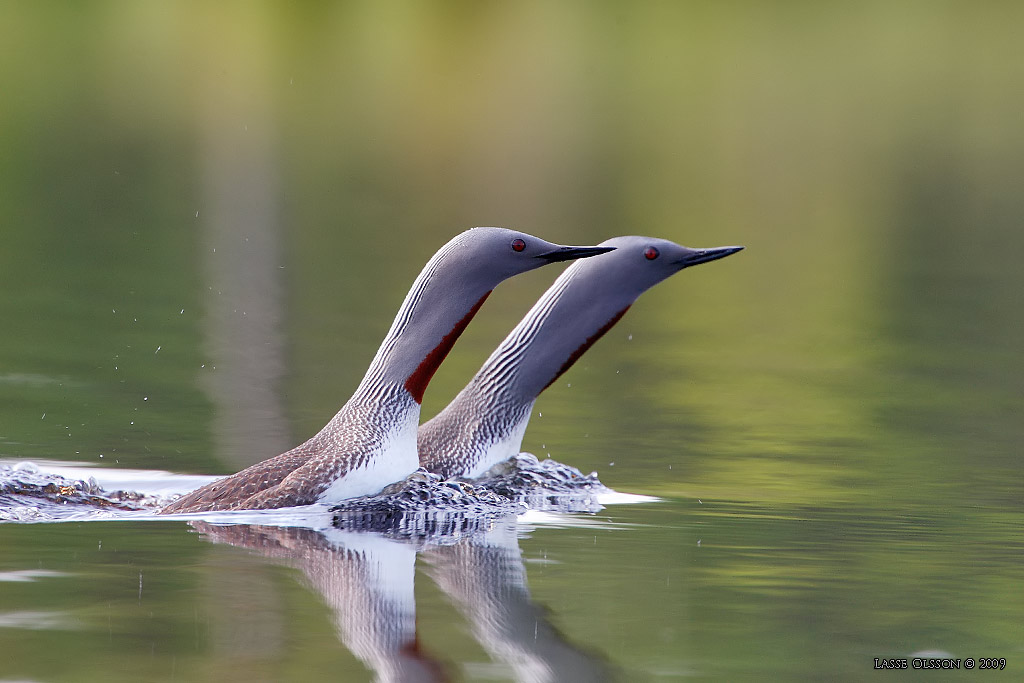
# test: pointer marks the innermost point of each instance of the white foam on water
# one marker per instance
(149, 482)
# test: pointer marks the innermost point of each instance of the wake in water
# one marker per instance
(422, 504)
(53, 491)
(26, 493)
(426, 506)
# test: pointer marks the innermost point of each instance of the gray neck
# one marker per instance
(436, 310)
(485, 423)
(567, 319)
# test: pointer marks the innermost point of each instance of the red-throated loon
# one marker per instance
(485, 423)
(371, 442)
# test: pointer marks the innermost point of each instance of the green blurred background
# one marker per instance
(210, 212)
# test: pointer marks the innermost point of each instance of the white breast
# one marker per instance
(394, 460)
(507, 444)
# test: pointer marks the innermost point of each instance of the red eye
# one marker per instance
(518, 244)
(650, 253)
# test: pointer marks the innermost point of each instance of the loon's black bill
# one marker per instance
(570, 253)
(699, 256)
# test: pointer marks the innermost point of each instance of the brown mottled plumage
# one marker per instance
(299, 476)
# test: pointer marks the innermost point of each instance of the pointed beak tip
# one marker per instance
(707, 255)
(572, 253)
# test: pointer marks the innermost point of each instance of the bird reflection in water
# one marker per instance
(366, 578)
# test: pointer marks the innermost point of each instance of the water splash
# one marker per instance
(422, 506)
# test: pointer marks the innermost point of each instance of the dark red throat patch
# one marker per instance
(420, 378)
(575, 355)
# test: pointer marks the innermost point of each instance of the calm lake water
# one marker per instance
(209, 215)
